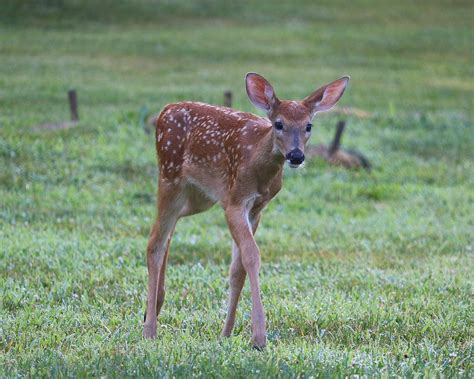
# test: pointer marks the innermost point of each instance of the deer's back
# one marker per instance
(205, 142)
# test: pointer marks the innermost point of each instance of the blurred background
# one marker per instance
(363, 272)
(403, 57)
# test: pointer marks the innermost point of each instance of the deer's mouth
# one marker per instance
(293, 165)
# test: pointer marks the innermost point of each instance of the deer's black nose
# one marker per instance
(295, 156)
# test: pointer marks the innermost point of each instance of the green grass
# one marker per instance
(363, 273)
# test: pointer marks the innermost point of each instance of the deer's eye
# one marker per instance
(278, 125)
(308, 127)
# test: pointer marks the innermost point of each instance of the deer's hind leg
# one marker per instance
(160, 297)
(170, 204)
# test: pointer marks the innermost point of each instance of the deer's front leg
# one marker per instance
(237, 276)
(238, 221)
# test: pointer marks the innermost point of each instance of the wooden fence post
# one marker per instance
(228, 99)
(72, 96)
(336, 143)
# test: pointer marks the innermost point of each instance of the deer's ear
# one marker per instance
(327, 96)
(260, 92)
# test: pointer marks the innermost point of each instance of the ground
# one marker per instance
(362, 273)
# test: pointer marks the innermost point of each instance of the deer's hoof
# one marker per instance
(149, 331)
(259, 341)
(226, 332)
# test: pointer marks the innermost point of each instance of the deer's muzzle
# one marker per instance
(295, 157)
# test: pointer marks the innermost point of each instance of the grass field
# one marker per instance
(362, 273)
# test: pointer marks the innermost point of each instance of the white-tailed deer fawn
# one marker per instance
(209, 155)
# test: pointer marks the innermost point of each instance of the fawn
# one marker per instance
(209, 154)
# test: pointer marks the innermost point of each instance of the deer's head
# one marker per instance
(291, 120)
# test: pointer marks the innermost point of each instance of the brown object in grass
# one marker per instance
(336, 156)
